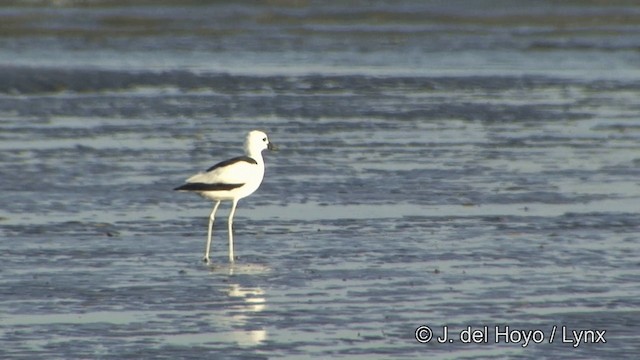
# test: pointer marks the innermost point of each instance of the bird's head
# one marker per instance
(256, 142)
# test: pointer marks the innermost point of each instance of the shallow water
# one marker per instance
(439, 165)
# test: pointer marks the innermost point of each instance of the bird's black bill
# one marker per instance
(271, 147)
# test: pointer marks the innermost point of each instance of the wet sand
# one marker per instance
(438, 166)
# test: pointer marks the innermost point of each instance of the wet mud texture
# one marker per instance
(437, 166)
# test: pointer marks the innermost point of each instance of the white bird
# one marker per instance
(231, 180)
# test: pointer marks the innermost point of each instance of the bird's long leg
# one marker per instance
(233, 211)
(211, 219)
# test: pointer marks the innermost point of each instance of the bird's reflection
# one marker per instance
(253, 301)
(253, 297)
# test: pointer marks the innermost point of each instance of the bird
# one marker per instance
(231, 180)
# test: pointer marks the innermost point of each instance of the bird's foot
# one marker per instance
(206, 260)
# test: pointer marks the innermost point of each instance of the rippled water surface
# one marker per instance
(462, 164)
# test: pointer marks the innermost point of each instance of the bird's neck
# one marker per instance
(256, 155)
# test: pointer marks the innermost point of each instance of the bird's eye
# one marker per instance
(264, 139)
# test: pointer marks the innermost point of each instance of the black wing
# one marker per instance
(207, 187)
(233, 161)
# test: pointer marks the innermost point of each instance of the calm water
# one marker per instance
(470, 164)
